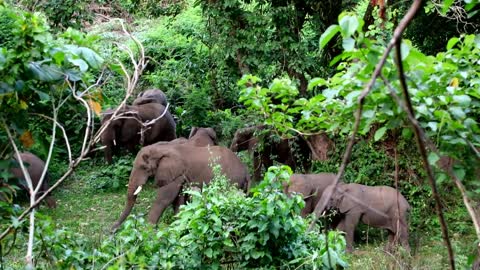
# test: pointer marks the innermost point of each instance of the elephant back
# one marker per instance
(151, 96)
(33, 164)
(163, 129)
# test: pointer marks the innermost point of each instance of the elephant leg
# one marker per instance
(391, 241)
(308, 208)
(165, 196)
(257, 167)
(404, 237)
(179, 201)
(348, 225)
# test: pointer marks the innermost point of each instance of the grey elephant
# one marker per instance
(310, 187)
(281, 150)
(151, 96)
(172, 166)
(35, 167)
(202, 136)
(125, 130)
(378, 206)
(199, 136)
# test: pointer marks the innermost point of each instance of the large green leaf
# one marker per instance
(331, 31)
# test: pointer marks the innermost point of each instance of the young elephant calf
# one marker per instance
(311, 187)
(34, 165)
(379, 206)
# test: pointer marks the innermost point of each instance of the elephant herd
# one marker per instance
(173, 162)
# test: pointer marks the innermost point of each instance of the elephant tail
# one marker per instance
(131, 198)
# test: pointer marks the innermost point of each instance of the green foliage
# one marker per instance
(220, 227)
(111, 177)
(151, 8)
(62, 14)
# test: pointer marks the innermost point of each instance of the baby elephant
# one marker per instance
(34, 166)
(311, 187)
(379, 206)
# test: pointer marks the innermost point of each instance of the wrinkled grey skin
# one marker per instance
(201, 137)
(35, 167)
(375, 206)
(151, 96)
(125, 131)
(280, 151)
(311, 187)
(172, 165)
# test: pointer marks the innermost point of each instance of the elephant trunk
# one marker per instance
(131, 199)
(134, 187)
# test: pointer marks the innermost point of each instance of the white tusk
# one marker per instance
(115, 142)
(324, 212)
(138, 190)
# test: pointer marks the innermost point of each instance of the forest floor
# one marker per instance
(86, 209)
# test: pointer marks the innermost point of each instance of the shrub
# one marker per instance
(220, 226)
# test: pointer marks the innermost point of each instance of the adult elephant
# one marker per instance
(310, 187)
(125, 130)
(35, 167)
(199, 136)
(292, 152)
(172, 166)
(151, 96)
(378, 206)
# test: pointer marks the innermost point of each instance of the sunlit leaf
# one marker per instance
(27, 139)
(349, 25)
(379, 133)
(331, 31)
(95, 106)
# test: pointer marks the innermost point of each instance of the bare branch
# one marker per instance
(67, 142)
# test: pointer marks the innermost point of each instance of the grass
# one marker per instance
(90, 209)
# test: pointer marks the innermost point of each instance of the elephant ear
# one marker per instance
(212, 134)
(193, 132)
(170, 167)
(342, 199)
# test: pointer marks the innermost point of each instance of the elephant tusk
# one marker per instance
(137, 190)
(115, 142)
(324, 212)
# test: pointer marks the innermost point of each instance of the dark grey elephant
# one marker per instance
(172, 166)
(35, 167)
(380, 206)
(125, 130)
(293, 152)
(311, 187)
(151, 96)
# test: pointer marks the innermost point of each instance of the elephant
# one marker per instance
(377, 206)
(202, 136)
(125, 129)
(151, 96)
(311, 187)
(35, 167)
(293, 152)
(172, 166)
(198, 137)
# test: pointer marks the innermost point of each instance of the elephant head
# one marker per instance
(151, 96)
(335, 196)
(203, 136)
(114, 134)
(154, 160)
(245, 139)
